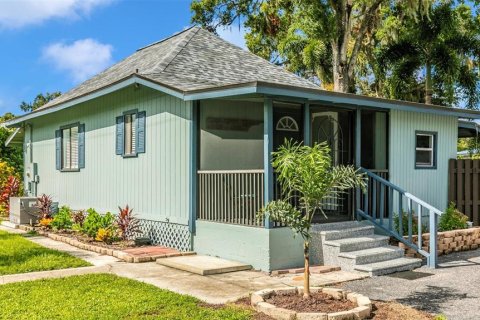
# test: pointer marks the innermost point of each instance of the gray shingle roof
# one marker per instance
(191, 60)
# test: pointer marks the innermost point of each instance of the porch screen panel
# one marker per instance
(231, 136)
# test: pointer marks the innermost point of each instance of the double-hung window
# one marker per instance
(130, 140)
(425, 150)
(70, 147)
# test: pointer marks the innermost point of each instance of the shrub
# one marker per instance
(44, 204)
(78, 218)
(11, 188)
(452, 219)
(95, 221)
(404, 231)
(45, 222)
(106, 235)
(63, 219)
(127, 223)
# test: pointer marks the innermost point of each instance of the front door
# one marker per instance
(335, 128)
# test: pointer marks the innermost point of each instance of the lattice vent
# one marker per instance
(167, 234)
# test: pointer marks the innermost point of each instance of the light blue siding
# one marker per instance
(430, 185)
(155, 184)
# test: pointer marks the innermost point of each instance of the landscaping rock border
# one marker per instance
(119, 254)
(362, 311)
(447, 242)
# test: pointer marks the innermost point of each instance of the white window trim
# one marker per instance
(432, 164)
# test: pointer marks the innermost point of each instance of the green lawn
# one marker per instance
(104, 296)
(19, 255)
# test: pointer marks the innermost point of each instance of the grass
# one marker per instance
(104, 296)
(19, 255)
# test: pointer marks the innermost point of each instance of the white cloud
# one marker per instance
(81, 59)
(20, 13)
(234, 35)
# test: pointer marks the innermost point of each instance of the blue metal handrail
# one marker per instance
(379, 202)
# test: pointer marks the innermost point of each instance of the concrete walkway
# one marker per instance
(220, 288)
(453, 289)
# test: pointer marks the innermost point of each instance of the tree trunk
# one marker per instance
(306, 273)
(428, 83)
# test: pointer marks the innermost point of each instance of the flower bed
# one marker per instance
(118, 251)
(447, 242)
(324, 303)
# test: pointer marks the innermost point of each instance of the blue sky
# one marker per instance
(53, 45)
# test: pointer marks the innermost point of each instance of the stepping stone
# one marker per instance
(203, 265)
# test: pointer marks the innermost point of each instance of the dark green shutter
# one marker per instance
(120, 136)
(141, 119)
(58, 149)
(81, 146)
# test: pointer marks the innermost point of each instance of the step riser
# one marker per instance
(385, 271)
(367, 231)
(379, 257)
(363, 245)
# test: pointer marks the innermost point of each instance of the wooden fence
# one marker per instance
(464, 187)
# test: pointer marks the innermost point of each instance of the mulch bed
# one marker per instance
(318, 302)
(117, 245)
(396, 311)
(381, 311)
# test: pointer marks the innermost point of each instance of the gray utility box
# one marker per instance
(23, 210)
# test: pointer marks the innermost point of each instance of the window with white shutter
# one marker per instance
(130, 133)
(70, 152)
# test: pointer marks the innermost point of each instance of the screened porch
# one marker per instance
(236, 139)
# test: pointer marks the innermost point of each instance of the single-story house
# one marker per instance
(183, 129)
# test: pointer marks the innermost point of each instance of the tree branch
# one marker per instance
(361, 35)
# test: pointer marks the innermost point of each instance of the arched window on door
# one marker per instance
(287, 123)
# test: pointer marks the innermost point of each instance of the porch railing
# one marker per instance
(403, 207)
(231, 196)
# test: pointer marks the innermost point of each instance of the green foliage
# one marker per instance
(320, 40)
(95, 221)
(443, 48)
(11, 154)
(63, 219)
(10, 185)
(404, 230)
(40, 100)
(20, 255)
(441, 317)
(307, 174)
(106, 297)
(452, 219)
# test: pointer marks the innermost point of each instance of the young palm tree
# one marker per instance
(307, 174)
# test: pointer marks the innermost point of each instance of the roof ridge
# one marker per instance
(253, 55)
(183, 46)
(175, 48)
(167, 38)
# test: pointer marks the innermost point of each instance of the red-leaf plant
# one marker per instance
(10, 189)
(44, 205)
(127, 223)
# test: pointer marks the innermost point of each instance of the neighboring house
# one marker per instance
(182, 131)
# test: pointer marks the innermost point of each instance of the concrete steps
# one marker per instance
(389, 266)
(355, 247)
(358, 243)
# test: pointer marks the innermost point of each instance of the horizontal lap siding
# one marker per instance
(430, 185)
(156, 184)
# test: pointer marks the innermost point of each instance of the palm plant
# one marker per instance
(435, 58)
(307, 174)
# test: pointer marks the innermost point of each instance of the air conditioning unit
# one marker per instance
(23, 210)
